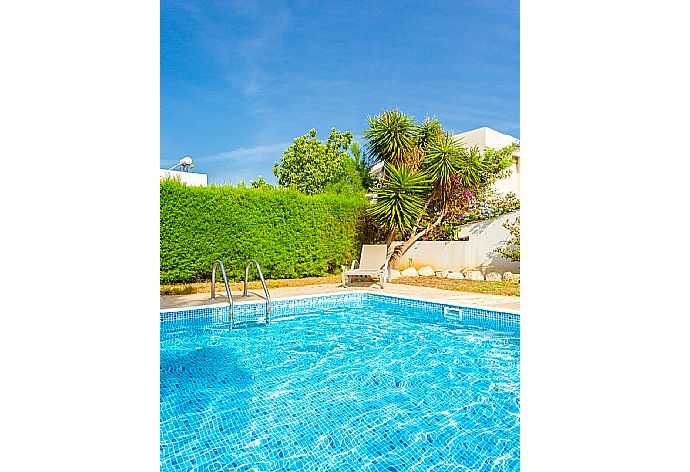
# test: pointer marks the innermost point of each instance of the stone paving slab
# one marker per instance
(442, 296)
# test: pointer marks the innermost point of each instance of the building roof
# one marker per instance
(486, 137)
(376, 168)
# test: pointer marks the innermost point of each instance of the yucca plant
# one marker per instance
(428, 132)
(427, 175)
(402, 200)
(391, 137)
(471, 169)
(444, 158)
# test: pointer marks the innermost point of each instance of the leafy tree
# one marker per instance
(363, 164)
(310, 165)
(350, 182)
(429, 175)
(511, 247)
(260, 183)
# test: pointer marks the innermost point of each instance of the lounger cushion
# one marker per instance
(374, 256)
(364, 272)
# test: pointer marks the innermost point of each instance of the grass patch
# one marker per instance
(205, 287)
(471, 286)
(185, 289)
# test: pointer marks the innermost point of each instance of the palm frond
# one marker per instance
(401, 201)
(391, 136)
(444, 158)
(429, 132)
(471, 168)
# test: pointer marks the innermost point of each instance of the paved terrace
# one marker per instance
(435, 294)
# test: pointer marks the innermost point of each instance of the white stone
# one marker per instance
(474, 275)
(442, 274)
(409, 272)
(455, 275)
(510, 277)
(393, 274)
(426, 271)
(493, 277)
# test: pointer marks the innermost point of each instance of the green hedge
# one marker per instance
(291, 235)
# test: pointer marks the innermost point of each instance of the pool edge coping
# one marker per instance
(328, 294)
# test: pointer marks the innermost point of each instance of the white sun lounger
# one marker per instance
(372, 263)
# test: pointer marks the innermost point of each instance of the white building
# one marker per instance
(190, 178)
(486, 138)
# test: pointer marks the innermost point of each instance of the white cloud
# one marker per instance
(256, 153)
(242, 163)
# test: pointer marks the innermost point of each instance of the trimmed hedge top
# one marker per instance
(291, 235)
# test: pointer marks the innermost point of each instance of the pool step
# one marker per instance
(225, 325)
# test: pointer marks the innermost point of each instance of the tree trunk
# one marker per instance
(402, 249)
(391, 237)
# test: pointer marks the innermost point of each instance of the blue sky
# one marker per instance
(241, 79)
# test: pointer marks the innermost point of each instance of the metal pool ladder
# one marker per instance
(217, 263)
(263, 282)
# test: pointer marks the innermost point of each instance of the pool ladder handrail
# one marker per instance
(217, 263)
(263, 282)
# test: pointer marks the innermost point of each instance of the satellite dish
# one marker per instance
(185, 164)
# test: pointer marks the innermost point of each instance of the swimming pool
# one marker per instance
(347, 382)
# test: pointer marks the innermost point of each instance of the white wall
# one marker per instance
(510, 183)
(476, 253)
(485, 236)
(440, 255)
(189, 178)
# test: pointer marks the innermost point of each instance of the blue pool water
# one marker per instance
(359, 384)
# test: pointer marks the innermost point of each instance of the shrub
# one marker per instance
(485, 206)
(490, 205)
(291, 235)
(511, 247)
